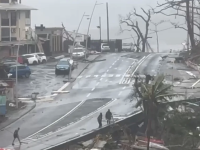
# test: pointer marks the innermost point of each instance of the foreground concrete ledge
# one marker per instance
(135, 118)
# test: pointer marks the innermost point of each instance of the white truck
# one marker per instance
(128, 47)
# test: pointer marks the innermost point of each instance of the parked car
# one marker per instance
(13, 59)
(79, 52)
(63, 66)
(42, 57)
(22, 71)
(31, 59)
(105, 47)
(8, 64)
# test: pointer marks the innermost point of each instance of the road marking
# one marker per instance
(104, 75)
(93, 89)
(63, 87)
(77, 106)
(101, 79)
(76, 122)
(88, 76)
(110, 75)
(107, 70)
(140, 62)
(88, 94)
(96, 76)
(79, 77)
(97, 84)
(124, 75)
(120, 93)
(118, 75)
(124, 88)
(127, 75)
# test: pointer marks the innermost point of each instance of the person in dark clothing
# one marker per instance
(147, 79)
(108, 116)
(16, 136)
(99, 119)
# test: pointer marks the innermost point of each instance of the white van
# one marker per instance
(105, 47)
(127, 47)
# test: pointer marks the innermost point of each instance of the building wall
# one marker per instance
(23, 22)
(4, 51)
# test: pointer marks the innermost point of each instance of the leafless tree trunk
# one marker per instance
(184, 7)
(133, 25)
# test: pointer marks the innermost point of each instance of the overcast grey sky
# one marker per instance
(52, 13)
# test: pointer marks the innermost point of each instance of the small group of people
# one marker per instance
(108, 117)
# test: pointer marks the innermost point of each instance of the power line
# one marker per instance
(153, 32)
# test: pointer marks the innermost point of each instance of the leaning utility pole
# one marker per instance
(107, 23)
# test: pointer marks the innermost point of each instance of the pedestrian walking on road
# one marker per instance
(108, 116)
(16, 136)
(99, 119)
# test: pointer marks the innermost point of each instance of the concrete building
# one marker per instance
(55, 40)
(15, 23)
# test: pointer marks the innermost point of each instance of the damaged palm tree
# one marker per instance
(150, 97)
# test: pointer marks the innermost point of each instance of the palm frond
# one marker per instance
(167, 95)
(158, 82)
(139, 103)
(164, 88)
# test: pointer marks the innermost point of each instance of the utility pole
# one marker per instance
(20, 1)
(156, 31)
(90, 22)
(71, 50)
(107, 23)
(99, 33)
(16, 76)
(89, 25)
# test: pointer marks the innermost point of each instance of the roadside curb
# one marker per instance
(2, 128)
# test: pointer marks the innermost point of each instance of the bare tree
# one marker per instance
(134, 25)
(136, 44)
(182, 8)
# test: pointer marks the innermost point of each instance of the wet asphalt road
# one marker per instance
(95, 87)
(42, 80)
(151, 65)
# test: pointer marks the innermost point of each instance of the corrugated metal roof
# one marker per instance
(16, 7)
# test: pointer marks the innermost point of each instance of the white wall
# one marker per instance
(22, 24)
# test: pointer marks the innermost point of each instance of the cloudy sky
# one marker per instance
(52, 13)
